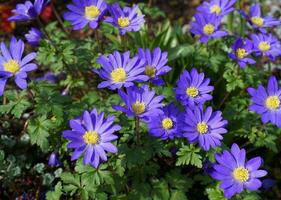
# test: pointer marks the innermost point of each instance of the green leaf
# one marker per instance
(38, 129)
(215, 194)
(178, 195)
(69, 178)
(188, 155)
(55, 195)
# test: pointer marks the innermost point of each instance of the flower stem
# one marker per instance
(137, 129)
(58, 17)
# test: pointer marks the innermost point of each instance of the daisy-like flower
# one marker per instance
(193, 88)
(140, 102)
(267, 102)
(266, 44)
(155, 64)
(259, 22)
(34, 36)
(126, 19)
(28, 10)
(241, 51)
(165, 124)
(84, 12)
(13, 65)
(207, 27)
(120, 70)
(219, 7)
(91, 135)
(235, 173)
(204, 127)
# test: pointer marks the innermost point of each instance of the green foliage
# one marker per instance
(189, 155)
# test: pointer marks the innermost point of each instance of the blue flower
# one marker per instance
(34, 36)
(219, 7)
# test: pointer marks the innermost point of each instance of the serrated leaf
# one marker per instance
(189, 155)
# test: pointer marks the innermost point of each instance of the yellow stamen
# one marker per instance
(192, 92)
(118, 75)
(91, 12)
(167, 123)
(208, 29)
(202, 127)
(241, 53)
(11, 66)
(258, 21)
(150, 71)
(272, 102)
(138, 107)
(241, 174)
(123, 21)
(216, 9)
(264, 46)
(91, 137)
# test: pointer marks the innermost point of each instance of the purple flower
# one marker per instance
(12, 64)
(140, 102)
(193, 88)
(34, 36)
(207, 27)
(48, 77)
(84, 12)
(206, 128)
(235, 173)
(28, 10)
(165, 124)
(267, 102)
(258, 21)
(241, 51)
(53, 160)
(91, 135)
(126, 19)
(120, 70)
(219, 7)
(155, 64)
(266, 44)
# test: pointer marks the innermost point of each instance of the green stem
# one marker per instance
(137, 129)
(269, 66)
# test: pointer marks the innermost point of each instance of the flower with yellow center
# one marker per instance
(167, 123)
(11, 66)
(258, 21)
(241, 53)
(202, 127)
(272, 102)
(192, 92)
(150, 71)
(241, 174)
(264, 46)
(138, 107)
(216, 9)
(91, 137)
(118, 75)
(208, 29)
(123, 22)
(91, 12)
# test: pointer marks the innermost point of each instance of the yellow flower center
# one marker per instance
(138, 107)
(91, 12)
(258, 21)
(150, 71)
(91, 137)
(202, 127)
(167, 123)
(264, 46)
(241, 53)
(272, 102)
(192, 92)
(216, 9)
(123, 21)
(118, 75)
(241, 174)
(208, 29)
(11, 66)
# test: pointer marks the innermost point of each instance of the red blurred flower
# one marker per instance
(47, 13)
(5, 13)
